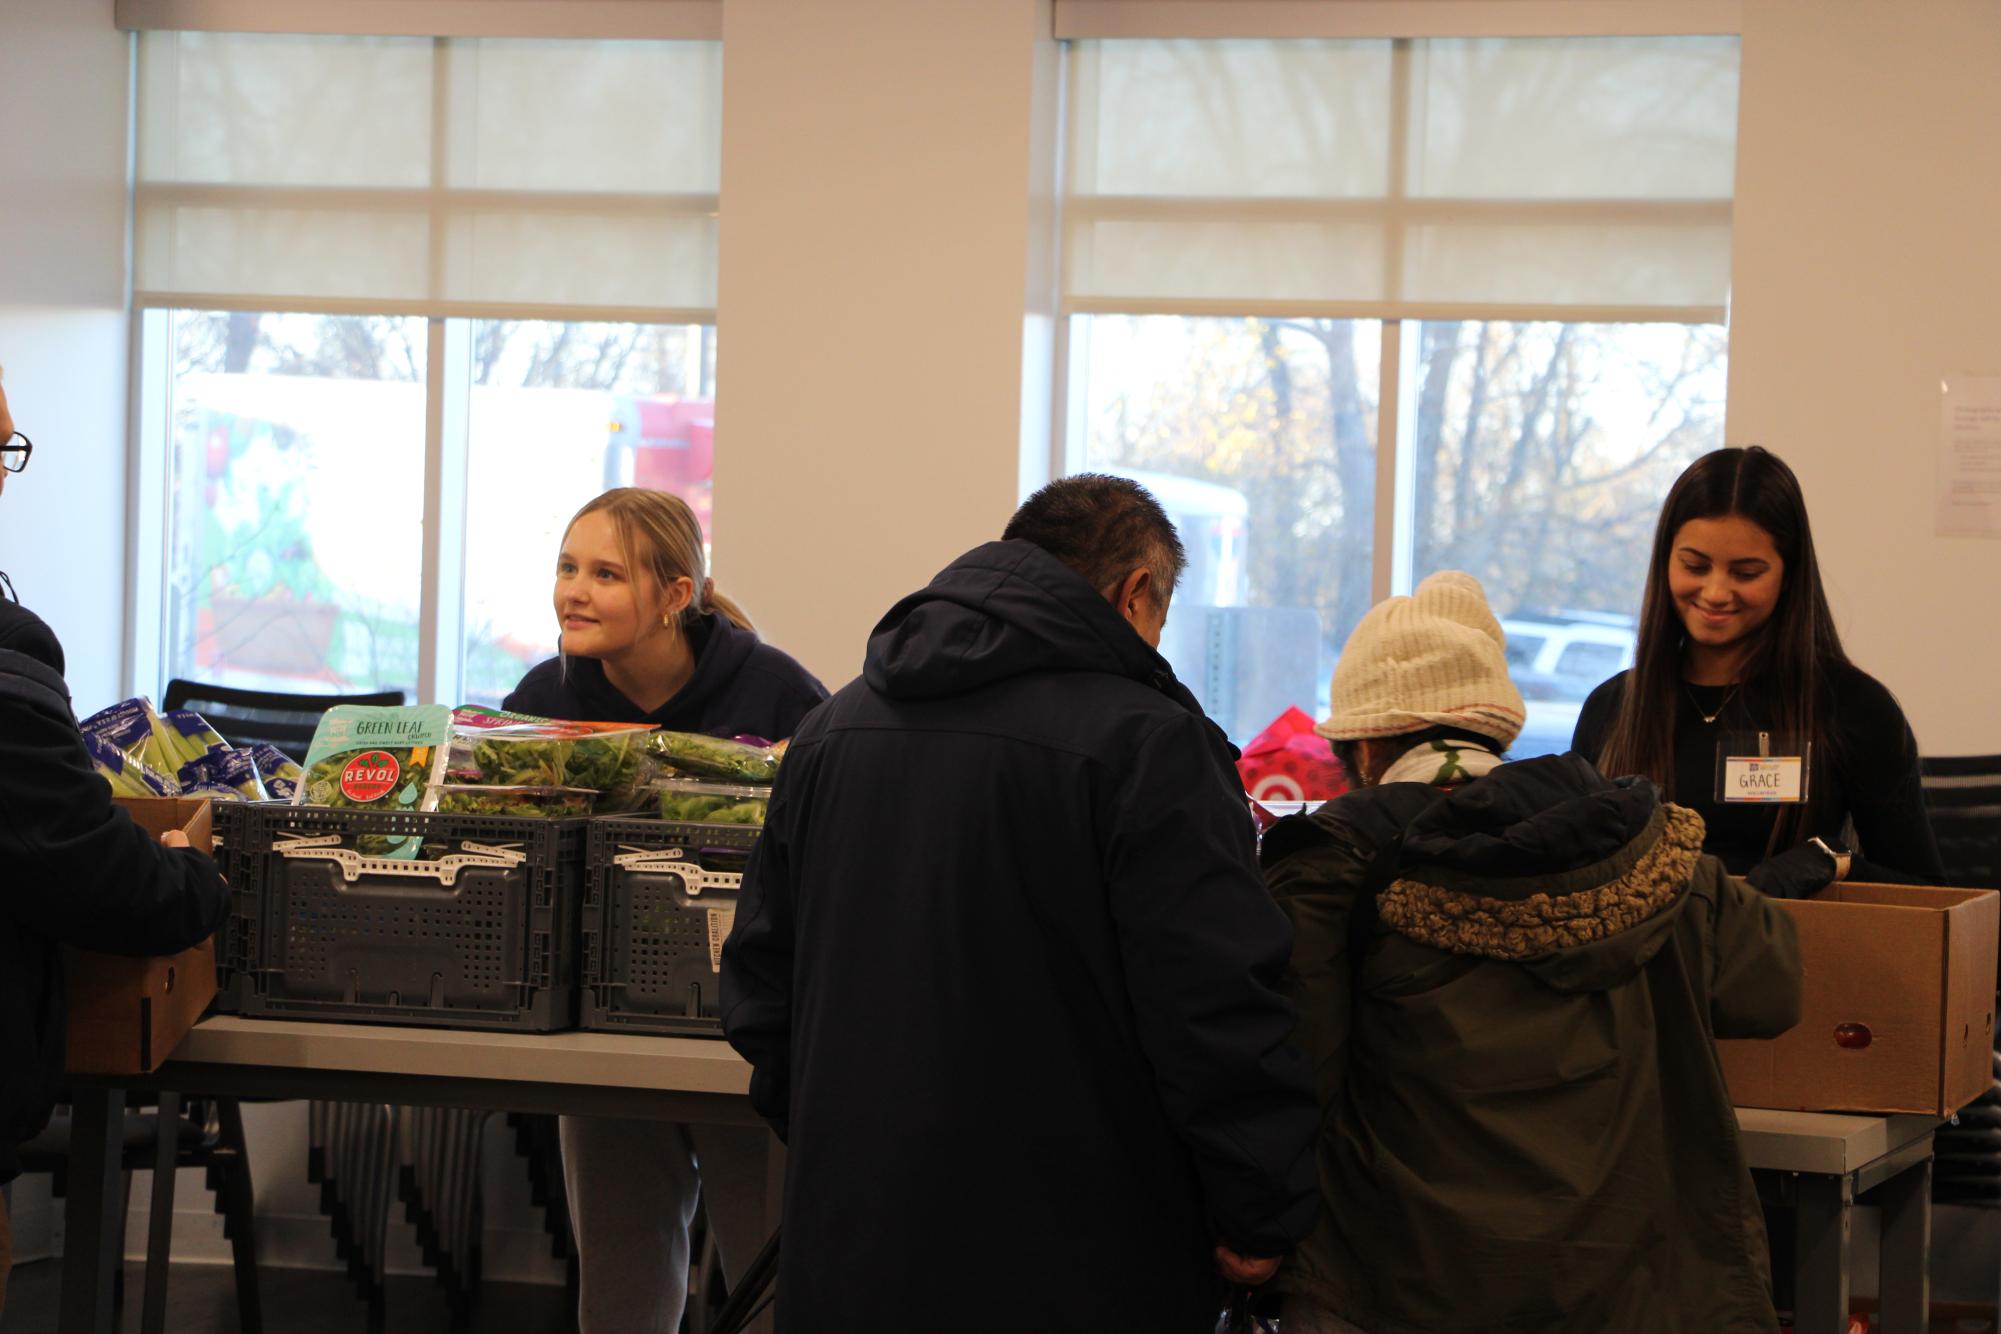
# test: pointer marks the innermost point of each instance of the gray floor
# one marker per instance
(201, 1299)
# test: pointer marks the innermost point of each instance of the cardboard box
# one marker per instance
(125, 1015)
(1899, 1005)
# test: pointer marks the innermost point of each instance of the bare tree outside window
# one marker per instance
(1538, 452)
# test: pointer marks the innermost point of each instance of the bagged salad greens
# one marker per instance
(376, 758)
(702, 801)
(482, 799)
(492, 748)
(699, 756)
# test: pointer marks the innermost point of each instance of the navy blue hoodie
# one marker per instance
(742, 686)
(1008, 977)
(74, 870)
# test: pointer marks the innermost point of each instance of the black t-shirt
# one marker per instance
(1868, 775)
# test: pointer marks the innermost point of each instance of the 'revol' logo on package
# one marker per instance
(378, 759)
(369, 776)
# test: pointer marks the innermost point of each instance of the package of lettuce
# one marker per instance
(493, 748)
(699, 756)
(532, 801)
(377, 759)
(705, 801)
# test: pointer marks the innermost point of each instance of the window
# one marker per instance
(296, 534)
(1415, 305)
(578, 408)
(380, 281)
(1258, 438)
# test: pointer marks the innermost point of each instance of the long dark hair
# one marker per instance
(1786, 678)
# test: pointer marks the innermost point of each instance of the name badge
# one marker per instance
(1764, 778)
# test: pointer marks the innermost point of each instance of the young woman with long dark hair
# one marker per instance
(1738, 655)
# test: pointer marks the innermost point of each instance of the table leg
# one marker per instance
(1826, 1206)
(1905, 1281)
(93, 1222)
(160, 1223)
(774, 1208)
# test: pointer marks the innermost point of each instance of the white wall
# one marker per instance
(1867, 264)
(878, 242)
(62, 324)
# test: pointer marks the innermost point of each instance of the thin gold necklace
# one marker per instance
(1721, 704)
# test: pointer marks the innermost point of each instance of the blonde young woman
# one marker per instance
(646, 638)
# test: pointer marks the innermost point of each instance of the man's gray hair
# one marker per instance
(1104, 528)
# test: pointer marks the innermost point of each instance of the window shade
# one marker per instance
(1567, 178)
(421, 176)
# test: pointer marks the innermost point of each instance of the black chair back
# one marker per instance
(1963, 794)
(246, 717)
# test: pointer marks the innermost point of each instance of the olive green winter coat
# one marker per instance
(1525, 1125)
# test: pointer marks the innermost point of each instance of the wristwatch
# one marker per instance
(1842, 860)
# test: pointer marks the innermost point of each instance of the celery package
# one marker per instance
(127, 775)
(224, 770)
(491, 748)
(280, 772)
(376, 758)
(176, 753)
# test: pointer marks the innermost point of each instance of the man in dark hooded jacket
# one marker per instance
(74, 870)
(1005, 968)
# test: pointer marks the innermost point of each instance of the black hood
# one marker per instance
(1010, 609)
(1546, 864)
(1004, 609)
(1536, 817)
(24, 632)
(721, 650)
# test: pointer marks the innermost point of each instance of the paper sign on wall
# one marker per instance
(1969, 456)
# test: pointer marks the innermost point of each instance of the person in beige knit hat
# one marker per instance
(1508, 976)
(1421, 693)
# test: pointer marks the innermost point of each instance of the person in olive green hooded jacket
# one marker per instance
(1509, 978)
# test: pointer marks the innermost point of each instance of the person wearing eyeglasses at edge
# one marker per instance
(1740, 693)
(646, 638)
(74, 869)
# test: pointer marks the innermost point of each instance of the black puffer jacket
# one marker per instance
(1008, 977)
(74, 870)
(1527, 1127)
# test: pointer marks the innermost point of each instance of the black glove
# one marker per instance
(1795, 873)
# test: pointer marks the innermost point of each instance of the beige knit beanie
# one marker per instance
(1436, 658)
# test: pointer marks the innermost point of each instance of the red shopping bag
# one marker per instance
(1289, 761)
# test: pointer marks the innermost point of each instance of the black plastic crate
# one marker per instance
(227, 820)
(478, 931)
(658, 900)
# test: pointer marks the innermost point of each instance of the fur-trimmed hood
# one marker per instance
(1546, 864)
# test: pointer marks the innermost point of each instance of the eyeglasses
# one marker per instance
(14, 454)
